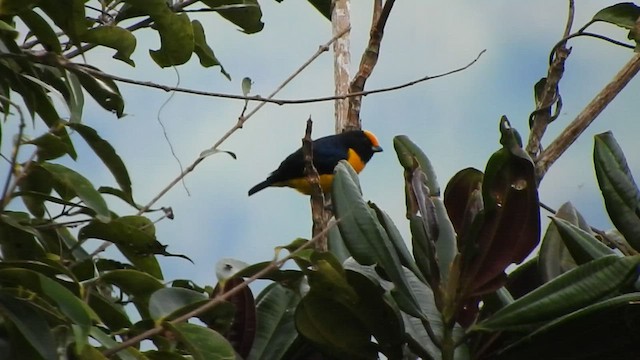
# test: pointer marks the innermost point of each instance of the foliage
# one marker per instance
(448, 297)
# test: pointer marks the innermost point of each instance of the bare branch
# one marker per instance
(550, 96)
(586, 117)
(368, 61)
(274, 265)
(317, 196)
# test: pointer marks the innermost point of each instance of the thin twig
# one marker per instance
(586, 117)
(276, 264)
(272, 100)
(7, 189)
(368, 61)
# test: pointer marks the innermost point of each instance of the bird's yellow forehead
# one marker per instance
(372, 138)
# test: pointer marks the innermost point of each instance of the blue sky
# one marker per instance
(453, 119)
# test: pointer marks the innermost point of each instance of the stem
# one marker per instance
(340, 19)
(586, 117)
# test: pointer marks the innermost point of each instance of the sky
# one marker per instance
(453, 119)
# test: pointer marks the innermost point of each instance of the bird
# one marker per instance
(355, 146)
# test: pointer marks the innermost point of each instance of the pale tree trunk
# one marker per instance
(341, 20)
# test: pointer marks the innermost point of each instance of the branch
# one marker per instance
(268, 99)
(10, 187)
(317, 196)
(586, 117)
(541, 117)
(274, 265)
(368, 61)
(340, 19)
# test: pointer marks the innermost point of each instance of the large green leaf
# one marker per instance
(622, 14)
(203, 50)
(275, 323)
(71, 184)
(323, 6)
(175, 30)
(135, 238)
(36, 180)
(244, 13)
(619, 190)
(167, 301)
(107, 154)
(554, 258)
(114, 37)
(68, 15)
(12, 7)
(202, 343)
(40, 28)
(103, 90)
(137, 284)
(30, 324)
(571, 291)
(17, 238)
(412, 157)
(583, 246)
(332, 325)
(581, 334)
(65, 301)
(365, 238)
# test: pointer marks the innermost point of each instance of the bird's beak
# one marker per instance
(376, 149)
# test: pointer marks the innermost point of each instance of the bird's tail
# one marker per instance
(259, 187)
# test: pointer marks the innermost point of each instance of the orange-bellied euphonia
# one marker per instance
(356, 146)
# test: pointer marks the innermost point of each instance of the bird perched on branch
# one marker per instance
(357, 147)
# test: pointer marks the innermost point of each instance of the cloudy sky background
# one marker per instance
(453, 119)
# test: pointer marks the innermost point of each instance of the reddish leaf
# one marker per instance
(243, 327)
(461, 200)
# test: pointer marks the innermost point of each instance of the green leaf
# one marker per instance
(13, 7)
(51, 146)
(246, 86)
(411, 157)
(202, 343)
(40, 28)
(323, 6)
(108, 342)
(165, 302)
(175, 30)
(68, 16)
(244, 13)
(65, 301)
(622, 14)
(619, 190)
(107, 154)
(31, 325)
(135, 238)
(365, 238)
(583, 246)
(17, 241)
(275, 323)
(406, 259)
(582, 333)
(112, 315)
(554, 258)
(103, 90)
(203, 50)
(571, 291)
(114, 37)
(332, 325)
(36, 180)
(139, 285)
(73, 184)
(75, 101)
